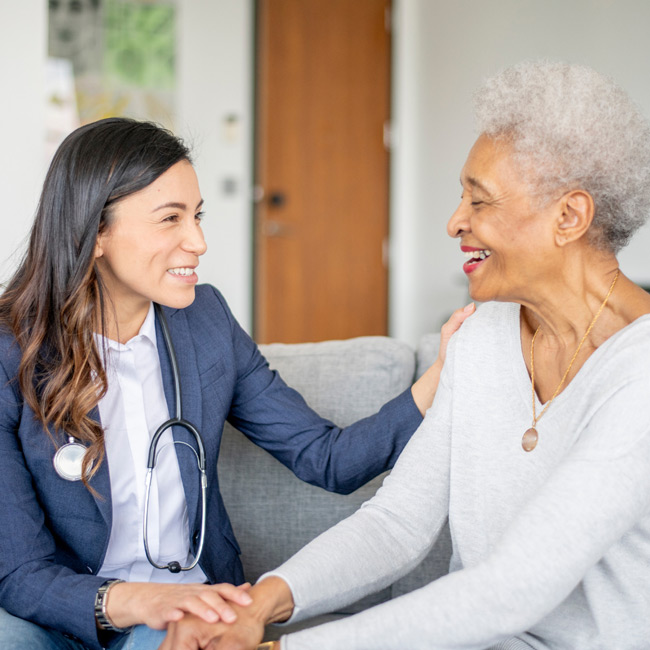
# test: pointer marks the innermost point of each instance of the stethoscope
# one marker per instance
(68, 459)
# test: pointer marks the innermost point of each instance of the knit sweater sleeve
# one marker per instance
(597, 493)
(392, 532)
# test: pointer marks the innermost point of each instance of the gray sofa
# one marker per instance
(274, 513)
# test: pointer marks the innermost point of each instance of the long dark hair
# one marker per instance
(55, 300)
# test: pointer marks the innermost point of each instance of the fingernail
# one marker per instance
(246, 599)
(469, 307)
(212, 617)
(228, 616)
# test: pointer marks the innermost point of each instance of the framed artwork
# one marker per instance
(109, 58)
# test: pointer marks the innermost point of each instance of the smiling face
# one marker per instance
(508, 238)
(151, 248)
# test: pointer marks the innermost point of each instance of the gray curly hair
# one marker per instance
(573, 128)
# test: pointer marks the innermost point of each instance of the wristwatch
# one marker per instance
(101, 615)
(269, 645)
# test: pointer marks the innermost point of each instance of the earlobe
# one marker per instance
(99, 251)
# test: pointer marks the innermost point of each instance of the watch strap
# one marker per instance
(101, 615)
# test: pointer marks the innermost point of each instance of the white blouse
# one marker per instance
(132, 409)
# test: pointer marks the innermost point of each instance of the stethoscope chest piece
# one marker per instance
(68, 460)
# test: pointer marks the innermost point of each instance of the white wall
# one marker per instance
(22, 111)
(215, 81)
(444, 48)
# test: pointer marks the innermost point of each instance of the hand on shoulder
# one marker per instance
(425, 388)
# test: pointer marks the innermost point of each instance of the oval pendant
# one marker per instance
(68, 460)
(529, 440)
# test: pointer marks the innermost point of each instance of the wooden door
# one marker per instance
(321, 222)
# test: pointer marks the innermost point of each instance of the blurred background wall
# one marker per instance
(440, 52)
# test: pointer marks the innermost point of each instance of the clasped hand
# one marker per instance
(192, 633)
(272, 602)
(159, 605)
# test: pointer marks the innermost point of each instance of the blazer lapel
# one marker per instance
(101, 483)
(190, 398)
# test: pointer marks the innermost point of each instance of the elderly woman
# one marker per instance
(537, 447)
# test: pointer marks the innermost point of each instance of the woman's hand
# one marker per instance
(272, 602)
(157, 605)
(424, 389)
(193, 633)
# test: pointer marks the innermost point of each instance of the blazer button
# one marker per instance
(196, 536)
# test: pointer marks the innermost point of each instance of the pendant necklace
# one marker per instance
(529, 439)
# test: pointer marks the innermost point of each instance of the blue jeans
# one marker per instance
(18, 634)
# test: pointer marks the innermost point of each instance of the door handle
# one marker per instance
(277, 199)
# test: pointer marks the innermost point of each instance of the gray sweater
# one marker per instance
(551, 548)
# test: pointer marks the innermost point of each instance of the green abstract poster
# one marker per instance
(139, 44)
(121, 55)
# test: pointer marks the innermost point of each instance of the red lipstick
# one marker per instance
(472, 264)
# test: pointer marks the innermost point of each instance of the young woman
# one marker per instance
(92, 367)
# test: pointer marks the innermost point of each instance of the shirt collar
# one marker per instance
(148, 328)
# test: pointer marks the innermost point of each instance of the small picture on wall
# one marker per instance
(108, 58)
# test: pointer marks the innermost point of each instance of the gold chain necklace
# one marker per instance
(529, 439)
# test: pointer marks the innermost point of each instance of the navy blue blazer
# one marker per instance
(54, 533)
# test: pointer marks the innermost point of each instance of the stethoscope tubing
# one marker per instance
(176, 421)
